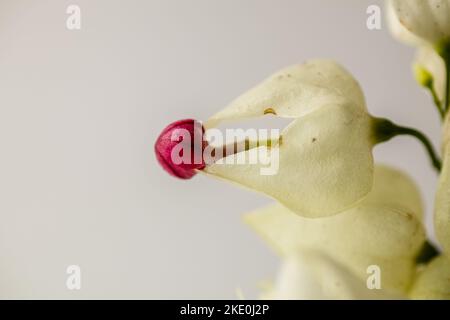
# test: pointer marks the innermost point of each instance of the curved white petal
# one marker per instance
(312, 275)
(295, 91)
(434, 281)
(394, 189)
(398, 30)
(384, 230)
(325, 163)
(428, 20)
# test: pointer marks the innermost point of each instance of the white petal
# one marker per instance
(426, 19)
(314, 275)
(295, 91)
(325, 163)
(442, 204)
(382, 230)
(394, 189)
(297, 280)
(398, 30)
(434, 281)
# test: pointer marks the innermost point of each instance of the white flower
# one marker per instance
(385, 230)
(420, 22)
(428, 61)
(424, 24)
(325, 154)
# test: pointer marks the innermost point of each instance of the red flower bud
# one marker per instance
(179, 148)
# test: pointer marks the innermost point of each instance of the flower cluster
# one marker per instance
(337, 214)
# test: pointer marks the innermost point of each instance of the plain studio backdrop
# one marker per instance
(80, 111)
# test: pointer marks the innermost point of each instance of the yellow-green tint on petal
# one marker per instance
(295, 91)
(433, 282)
(422, 76)
(384, 230)
(325, 163)
(430, 71)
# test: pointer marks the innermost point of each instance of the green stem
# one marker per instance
(386, 130)
(447, 85)
(443, 49)
(435, 160)
(436, 100)
(427, 253)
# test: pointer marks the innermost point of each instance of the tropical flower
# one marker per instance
(325, 154)
(326, 167)
(426, 25)
(325, 158)
(383, 230)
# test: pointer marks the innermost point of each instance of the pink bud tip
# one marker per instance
(179, 148)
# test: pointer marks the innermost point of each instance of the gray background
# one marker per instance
(80, 110)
